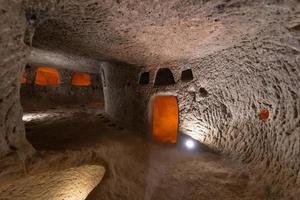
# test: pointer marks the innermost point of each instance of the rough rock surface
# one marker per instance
(245, 56)
(136, 169)
(63, 60)
(221, 106)
(68, 184)
(120, 91)
(13, 53)
(149, 32)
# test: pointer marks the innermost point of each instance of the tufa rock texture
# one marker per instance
(13, 53)
(149, 32)
(244, 55)
(68, 184)
(221, 106)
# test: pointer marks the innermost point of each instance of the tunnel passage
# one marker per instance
(165, 119)
(81, 79)
(46, 76)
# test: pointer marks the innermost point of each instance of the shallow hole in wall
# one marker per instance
(144, 78)
(81, 79)
(264, 114)
(187, 75)
(13, 148)
(27, 66)
(203, 92)
(296, 28)
(46, 76)
(165, 119)
(164, 76)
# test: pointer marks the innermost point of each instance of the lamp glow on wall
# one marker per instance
(27, 117)
(195, 129)
(81, 79)
(47, 76)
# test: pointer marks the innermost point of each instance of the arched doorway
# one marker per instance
(165, 119)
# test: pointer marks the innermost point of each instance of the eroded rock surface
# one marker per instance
(244, 55)
(151, 32)
(221, 106)
(68, 184)
(13, 53)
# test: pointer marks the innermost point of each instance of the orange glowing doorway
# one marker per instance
(165, 119)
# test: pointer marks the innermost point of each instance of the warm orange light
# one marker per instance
(165, 119)
(46, 76)
(81, 79)
(264, 114)
(24, 78)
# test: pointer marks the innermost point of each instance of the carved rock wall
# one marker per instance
(13, 54)
(222, 105)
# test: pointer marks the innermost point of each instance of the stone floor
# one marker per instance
(135, 167)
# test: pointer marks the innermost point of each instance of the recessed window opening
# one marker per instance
(187, 75)
(144, 78)
(47, 76)
(81, 79)
(164, 76)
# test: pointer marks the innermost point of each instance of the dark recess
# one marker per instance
(27, 66)
(144, 78)
(187, 75)
(164, 76)
(203, 92)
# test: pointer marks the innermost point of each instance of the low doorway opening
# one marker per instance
(165, 119)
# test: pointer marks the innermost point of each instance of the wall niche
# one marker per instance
(187, 75)
(164, 77)
(144, 78)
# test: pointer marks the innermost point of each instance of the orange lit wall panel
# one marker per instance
(165, 119)
(264, 114)
(47, 76)
(81, 79)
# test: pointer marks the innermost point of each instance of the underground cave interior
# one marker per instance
(142, 100)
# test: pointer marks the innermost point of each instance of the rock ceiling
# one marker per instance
(146, 32)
